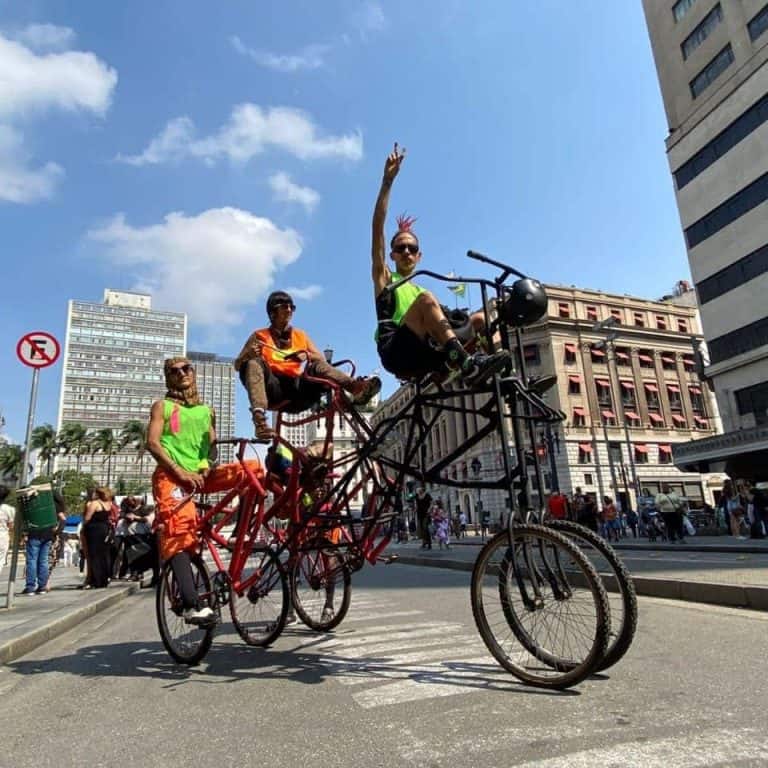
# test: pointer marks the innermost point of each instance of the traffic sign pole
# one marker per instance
(19, 520)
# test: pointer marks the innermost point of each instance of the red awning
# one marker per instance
(668, 359)
(678, 419)
(598, 352)
(687, 360)
(665, 449)
(627, 385)
(695, 390)
(654, 417)
(570, 348)
(645, 358)
(574, 379)
(621, 355)
(578, 411)
(641, 448)
(650, 386)
(602, 382)
(631, 415)
(586, 447)
(700, 421)
(608, 415)
(673, 388)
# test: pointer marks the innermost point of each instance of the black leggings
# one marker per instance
(181, 564)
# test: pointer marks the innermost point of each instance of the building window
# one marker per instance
(726, 213)
(697, 399)
(597, 354)
(665, 454)
(656, 421)
(587, 478)
(675, 401)
(570, 354)
(679, 421)
(738, 342)
(758, 24)
(668, 361)
(563, 310)
(531, 354)
(616, 314)
(680, 8)
(579, 417)
(609, 418)
(603, 392)
(754, 400)
(689, 363)
(742, 271)
(585, 453)
(661, 323)
(702, 31)
(628, 399)
(641, 453)
(632, 418)
(645, 358)
(651, 394)
(591, 313)
(712, 71)
(682, 325)
(622, 356)
(574, 385)
(639, 319)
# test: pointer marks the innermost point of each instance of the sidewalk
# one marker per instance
(723, 574)
(35, 619)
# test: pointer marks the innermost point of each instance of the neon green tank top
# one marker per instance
(186, 434)
(392, 307)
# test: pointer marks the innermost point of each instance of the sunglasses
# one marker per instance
(179, 370)
(292, 307)
(403, 247)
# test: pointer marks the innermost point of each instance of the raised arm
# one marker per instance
(380, 271)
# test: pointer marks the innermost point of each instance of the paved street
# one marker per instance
(403, 681)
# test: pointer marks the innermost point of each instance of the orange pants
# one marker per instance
(177, 526)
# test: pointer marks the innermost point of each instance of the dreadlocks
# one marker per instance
(189, 395)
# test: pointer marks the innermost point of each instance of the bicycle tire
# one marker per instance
(502, 609)
(623, 627)
(185, 643)
(309, 577)
(259, 608)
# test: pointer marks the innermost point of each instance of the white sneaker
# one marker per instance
(198, 615)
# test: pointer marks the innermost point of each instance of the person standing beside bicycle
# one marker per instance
(180, 437)
(410, 316)
(270, 367)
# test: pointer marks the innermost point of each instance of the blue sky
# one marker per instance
(210, 153)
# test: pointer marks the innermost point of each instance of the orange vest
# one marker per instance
(275, 358)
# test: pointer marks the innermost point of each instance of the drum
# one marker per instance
(37, 506)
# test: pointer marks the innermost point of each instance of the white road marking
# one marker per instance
(379, 615)
(418, 642)
(354, 641)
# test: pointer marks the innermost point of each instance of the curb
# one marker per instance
(24, 644)
(738, 549)
(730, 595)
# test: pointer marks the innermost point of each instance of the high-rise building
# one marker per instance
(216, 385)
(712, 62)
(113, 372)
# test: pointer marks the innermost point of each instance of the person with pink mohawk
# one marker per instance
(410, 316)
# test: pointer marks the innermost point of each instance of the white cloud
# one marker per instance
(369, 17)
(309, 57)
(308, 292)
(18, 183)
(212, 266)
(33, 83)
(46, 37)
(249, 131)
(286, 191)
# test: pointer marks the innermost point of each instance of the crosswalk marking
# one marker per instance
(353, 640)
(379, 615)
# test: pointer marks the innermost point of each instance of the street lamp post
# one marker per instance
(476, 467)
(552, 440)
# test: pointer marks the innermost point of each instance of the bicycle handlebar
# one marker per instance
(487, 260)
(236, 440)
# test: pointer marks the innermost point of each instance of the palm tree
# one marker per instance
(134, 434)
(104, 441)
(45, 441)
(74, 439)
(11, 461)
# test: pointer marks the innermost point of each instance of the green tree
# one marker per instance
(11, 461)
(73, 439)
(104, 441)
(45, 442)
(134, 435)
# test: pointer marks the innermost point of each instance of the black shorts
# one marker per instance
(293, 393)
(406, 355)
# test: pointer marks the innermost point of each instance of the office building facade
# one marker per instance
(712, 62)
(112, 373)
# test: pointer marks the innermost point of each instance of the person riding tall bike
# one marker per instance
(410, 317)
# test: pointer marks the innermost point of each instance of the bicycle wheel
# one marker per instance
(617, 581)
(260, 604)
(186, 643)
(540, 607)
(317, 577)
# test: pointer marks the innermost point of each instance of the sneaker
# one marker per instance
(479, 367)
(202, 615)
(262, 430)
(28, 592)
(364, 389)
(41, 591)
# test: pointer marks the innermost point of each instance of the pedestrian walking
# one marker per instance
(423, 505)
(462, 524)
(485, 521)
(670, 507)
(610, 518)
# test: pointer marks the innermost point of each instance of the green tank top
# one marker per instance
(186, 434)
(392, 307)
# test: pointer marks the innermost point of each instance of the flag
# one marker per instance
(458, 290)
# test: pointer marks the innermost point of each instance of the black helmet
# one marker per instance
(276, 298)
(524, 303)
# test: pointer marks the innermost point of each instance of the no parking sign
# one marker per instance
(38, 349)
